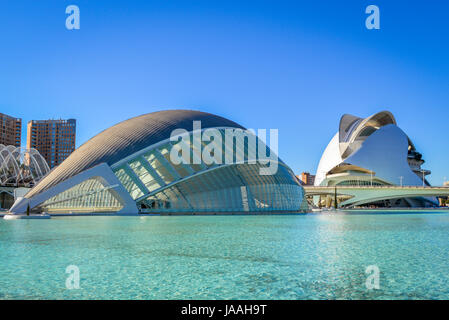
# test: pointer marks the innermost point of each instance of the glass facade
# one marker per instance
(88, 196)
(213, 165)
(158, 185)
(226, 189)
(126, 178)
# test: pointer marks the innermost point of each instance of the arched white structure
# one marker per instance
(21, 167)
(372, 152)
(127, 169)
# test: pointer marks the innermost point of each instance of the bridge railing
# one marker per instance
(377, 187)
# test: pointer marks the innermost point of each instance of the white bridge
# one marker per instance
(359, 195)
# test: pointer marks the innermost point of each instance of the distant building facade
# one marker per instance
(307, 178)
(10, 130)
(54, 139)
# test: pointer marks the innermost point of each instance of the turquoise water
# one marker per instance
(227, 257)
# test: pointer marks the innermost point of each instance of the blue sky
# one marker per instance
(292, 65)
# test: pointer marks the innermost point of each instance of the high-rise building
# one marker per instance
(10, 131)
(54, 139)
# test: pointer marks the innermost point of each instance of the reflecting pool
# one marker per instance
(315, 256)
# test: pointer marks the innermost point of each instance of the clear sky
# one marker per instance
(297, 66)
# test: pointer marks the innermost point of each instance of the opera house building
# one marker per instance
(373, 152)
(129, 169)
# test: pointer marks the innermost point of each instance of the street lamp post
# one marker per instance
(423, 171)
(335, 199)
(400, 178)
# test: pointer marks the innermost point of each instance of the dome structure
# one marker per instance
(372, 151)
(129, 169)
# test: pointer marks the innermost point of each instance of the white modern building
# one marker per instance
(128, 169)
(372, 152)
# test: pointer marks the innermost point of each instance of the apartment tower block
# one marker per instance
(54, 139)
(10, 130)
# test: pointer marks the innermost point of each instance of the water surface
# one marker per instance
(227, 257)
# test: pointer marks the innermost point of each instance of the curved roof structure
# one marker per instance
(136, 167)
(351, 125)
(354, 130)
(128, 137)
